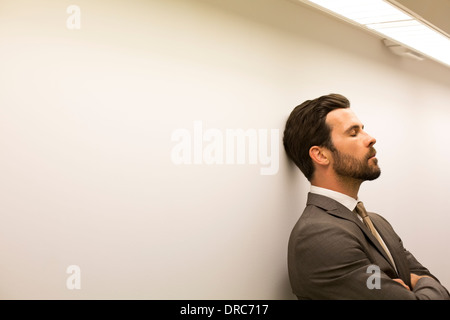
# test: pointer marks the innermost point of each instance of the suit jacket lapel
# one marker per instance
(335, 208)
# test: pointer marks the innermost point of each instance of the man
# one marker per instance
(335, 253)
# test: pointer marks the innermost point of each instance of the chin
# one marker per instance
(374, 176)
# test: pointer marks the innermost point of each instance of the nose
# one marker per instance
(370, 140)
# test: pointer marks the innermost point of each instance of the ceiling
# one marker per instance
(434, 12)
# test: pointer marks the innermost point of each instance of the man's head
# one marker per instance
(324, 133)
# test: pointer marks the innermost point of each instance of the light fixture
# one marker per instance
(394, 24)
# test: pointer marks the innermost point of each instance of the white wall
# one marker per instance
(86, 124)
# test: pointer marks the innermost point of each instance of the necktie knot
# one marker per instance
(361, 210)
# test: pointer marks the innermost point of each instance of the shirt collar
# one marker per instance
(343, 199)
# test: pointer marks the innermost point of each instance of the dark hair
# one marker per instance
(306, 127)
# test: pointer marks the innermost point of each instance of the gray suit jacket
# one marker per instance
(330, 251)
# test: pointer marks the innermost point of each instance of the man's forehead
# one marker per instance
(342, 118)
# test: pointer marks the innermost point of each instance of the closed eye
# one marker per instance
(354, 130)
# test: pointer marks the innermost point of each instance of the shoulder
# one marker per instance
(314, 219)
(321, 226)
(379, 219)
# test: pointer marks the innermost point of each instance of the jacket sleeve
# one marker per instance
(426, 288)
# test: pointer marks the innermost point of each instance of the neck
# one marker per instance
(345, 185)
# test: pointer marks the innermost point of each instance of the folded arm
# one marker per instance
(330, 269)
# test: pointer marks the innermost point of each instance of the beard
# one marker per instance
(347, 166)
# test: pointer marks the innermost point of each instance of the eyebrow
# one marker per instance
(354, 127)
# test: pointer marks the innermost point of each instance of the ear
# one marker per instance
(319, 155)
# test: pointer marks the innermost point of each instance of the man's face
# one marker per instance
(354, 154)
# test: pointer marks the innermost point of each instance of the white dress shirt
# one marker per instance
(343, 199)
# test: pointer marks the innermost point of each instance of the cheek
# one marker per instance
(352, 148)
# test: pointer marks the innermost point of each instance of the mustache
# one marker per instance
(371, 153)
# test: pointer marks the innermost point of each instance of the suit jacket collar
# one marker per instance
(332, 207)
(335, 208)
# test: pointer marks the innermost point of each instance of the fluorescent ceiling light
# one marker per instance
(391, 22)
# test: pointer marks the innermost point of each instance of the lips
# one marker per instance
(372, 155)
